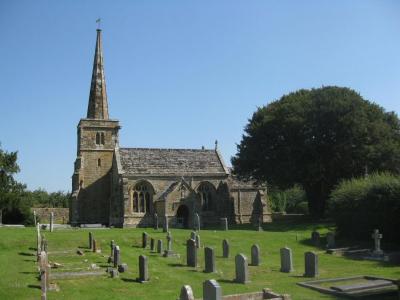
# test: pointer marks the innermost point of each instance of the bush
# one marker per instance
(358, 206)
(292, 200)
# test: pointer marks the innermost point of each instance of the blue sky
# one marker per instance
(180, 74)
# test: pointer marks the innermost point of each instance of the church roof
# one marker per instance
(181, 162)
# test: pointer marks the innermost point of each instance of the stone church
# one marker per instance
(125, 187)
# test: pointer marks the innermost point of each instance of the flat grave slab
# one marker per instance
(357, 286)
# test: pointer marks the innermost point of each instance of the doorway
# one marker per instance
(182, 216)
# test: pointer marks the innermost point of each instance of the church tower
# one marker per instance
(97, 140)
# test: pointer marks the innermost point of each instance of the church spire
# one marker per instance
(98, 106)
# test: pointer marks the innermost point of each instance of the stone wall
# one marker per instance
(61, 215)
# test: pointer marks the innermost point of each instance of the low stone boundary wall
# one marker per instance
(61, 215)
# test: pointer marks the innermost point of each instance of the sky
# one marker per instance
(179, 74)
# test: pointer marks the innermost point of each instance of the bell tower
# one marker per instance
(97, 141)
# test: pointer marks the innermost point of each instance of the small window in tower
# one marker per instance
(99, 162)
(97, 138)
(102, 138)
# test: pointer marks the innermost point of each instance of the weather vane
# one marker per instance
(98, 21)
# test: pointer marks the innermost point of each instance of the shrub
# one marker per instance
(360, 205)
(292, 200)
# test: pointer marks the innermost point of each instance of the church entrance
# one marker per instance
(182, 216)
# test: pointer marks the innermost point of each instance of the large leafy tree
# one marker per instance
(315, 138)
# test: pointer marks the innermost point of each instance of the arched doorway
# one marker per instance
(182, 216)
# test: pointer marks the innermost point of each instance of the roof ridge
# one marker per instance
(147, 148)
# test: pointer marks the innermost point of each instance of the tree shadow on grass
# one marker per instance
(176, 265)
(130, 280)
(28, 273)
(227, 281)
(33, 249)
(34, 286)
(26, 254)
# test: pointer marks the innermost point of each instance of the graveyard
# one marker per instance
(79, 270)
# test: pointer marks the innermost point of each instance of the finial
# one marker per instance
(216, 144)
(98, 21)
(202, 148)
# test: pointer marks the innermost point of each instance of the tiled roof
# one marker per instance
(182, 162)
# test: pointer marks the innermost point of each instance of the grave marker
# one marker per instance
(197, 222)
(225, 249)
(159, 246)
(212, 290)
(197, 241)
(191, 253)
(90, 240)
(376, 236)
(286, 260)
(143, 269)
(152, 244)
(186, 293)
(241, 269)
(117, 256)
(224, 223)
(209, 259)
(165, 226)
(315, 238)
(311, 264)
(255, 255)
(330, 240)
(155, 221)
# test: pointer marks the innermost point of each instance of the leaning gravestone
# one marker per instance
(186, 293)
(191, 253)
(145, 238)
(143, 269)
(159, 246)
(255, 255)
(315, 238)
(155, 221)
(90, 240)
(286, 260)
(330, 240)
(241, 269)
(311, 264)
(165, 226)
(117, 256)
(225, 249)
(212, 290)
(209, 259)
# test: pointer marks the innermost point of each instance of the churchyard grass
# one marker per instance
(18, 271)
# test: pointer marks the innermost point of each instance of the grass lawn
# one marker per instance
(18, 272)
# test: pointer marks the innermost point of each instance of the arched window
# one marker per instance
(102, 138)
(207, 194)
(142, 198)
(99, 162)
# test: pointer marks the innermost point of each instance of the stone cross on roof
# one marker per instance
(376, 236)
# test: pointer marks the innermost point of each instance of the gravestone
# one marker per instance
(51, 221)
(209, 259)
(330, 240)
(191, 253)
(311, 264)
(159, 246)
(145, 238)
(260, 221)
(241, 269)
(114, 273)
(197, 241)
(152, 244)
(376, 236)
(94, 249)
(255, 255)
(197, 222)
(143, 269)
(286, 260)
(169, 251)
(212, 290)
(112, 245)
(165, 225)
(225, 249)
(193, 235)
(155, 221)
(315, 238)
(90, 240)
(122, 268)
(224, 223)
(117, 256)
(186, 293)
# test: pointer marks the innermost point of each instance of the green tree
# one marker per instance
(315, 138)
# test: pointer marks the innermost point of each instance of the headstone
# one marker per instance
(191, 253)
(286, 260)
(315, 237)
(155, 221)
(311, 264)
(260, 221)
(122, 268)
(90, 240)
(225, 249)
(224, 223)
(376, 236)
(209, 259)
(165, 225)
(145, 237)
(197, 241)
(186, 293)
(169, 251)
(34, 217)
(143, 269)
(159, 246)
(114, 273)
(94, 249)
(197, 222)
(255, 255)
(330, 240)
(112, 245)
(212, 290)
(117, 256)
(193, 235)
(51, 221)
(241, 269)
(152, 244)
